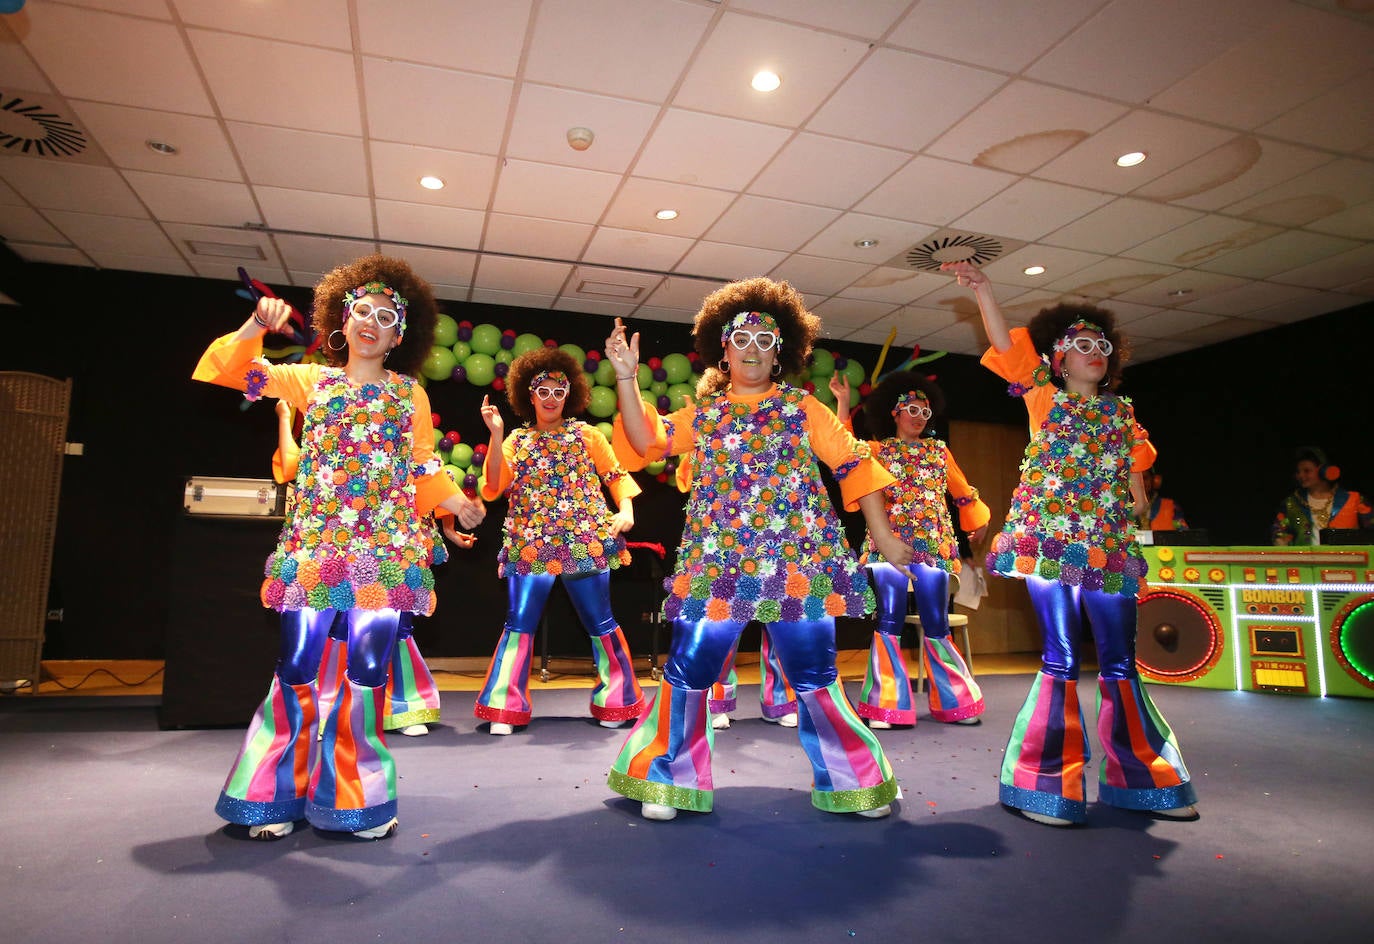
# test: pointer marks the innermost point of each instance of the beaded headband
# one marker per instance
(756, 320)
(379, 288)
(555, 377)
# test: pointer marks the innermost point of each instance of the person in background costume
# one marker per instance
(557, 524)
(1318, 502)
(898, 410)
(412, 696)
(1162, 514)
(1069, 536)
(761, 542)
(351, 544)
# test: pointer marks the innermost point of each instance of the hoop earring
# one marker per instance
(332, 345)
(777, 369)
(724, 366)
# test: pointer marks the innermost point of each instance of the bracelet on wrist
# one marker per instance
(626, 377)
(261, 323)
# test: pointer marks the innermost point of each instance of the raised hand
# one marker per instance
(271, 314)
(491, 415)
(621, 352)
(966, 273)
(839, 388)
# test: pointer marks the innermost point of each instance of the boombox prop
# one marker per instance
(1266, 619)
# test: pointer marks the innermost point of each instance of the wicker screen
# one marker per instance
(33, 431)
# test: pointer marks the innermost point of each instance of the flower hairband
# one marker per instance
(1082, 324)
(550, 376)
(757, 320)
(352, 295)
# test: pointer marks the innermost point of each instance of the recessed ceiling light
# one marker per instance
(161, 147)
(666, 214)
(865, 243)
(765, 81)
(432, 183)
(1131, 159)
(1034, 270)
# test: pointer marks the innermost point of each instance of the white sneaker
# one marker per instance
(720, 722)
(414, 730)
(1045, 818)
(500, 727)
(270, 831)
(876, 725)
(879, 813)
(379, 832)
(1185, 813)
(974, 720)
(788, 720)
(612, 724)
(657, 811)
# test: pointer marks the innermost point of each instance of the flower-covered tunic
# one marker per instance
(1070, 517)
(924, 470)
(558, 521)
(761, 540)
(353, 536)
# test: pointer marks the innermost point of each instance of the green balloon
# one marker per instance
(602, 403)
(445, 331)
(524, 343)
(678, 393)
(658, 388)
(461, 350)
(422, 380)
(823, 394)
(578, 355)
(439, 363)
(454, 473)
(655, 467)
(462, 455)
(605, 374)
(649, 397)
(481, 369)
(856, 374)
(503, 356)
(481, 483)
(607, 429)
(486, 339)
(437, 436)
(644, 376)
(823, 364)
(678, 368)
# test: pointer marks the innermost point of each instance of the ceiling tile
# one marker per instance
(1029, 209)
(693, 148)
(524, 188)
(437, 226)
(843, 314)
(524, 236)
(886, 238)
(903, 100)
(1008, 36)
(1277, 254)
(809, 63)
(655, 313)
(1057, 261)
(112, 234)
(726, 262)
(963, 337)
(1120, 225)
(109, 58)
(314, 255)
(1169, 142)
(462, 111)
(438, 266)
(635, 206)
(544, 115)
(314, 22)
(1132, 51)
(1356, 222)
(819, 276)
(1334, 272)
(1342, 119)
(483, 36)
(683, 294)
(283, 84)
(1224, 330)
(1307, 306)
(1110, 277)
(18, 71)
(635, 249)
(1023, 126)
(1191, 283)
(189, 200)
(1154, 350)
(486, 296)
(1239, 168)
(26, 225)
(826, 171)
(640, 46)
(397, 169)
(269, 273)
(328, 214)
(1319, 193)
(595, 306)
(521, 275)
(1203, 239)
(183, 234)
(869, 19)
(133, 262)
(59, 185)
(123, 134)
(899, 286)
(908, 194)
(1247, 298)
(770, 224)
(274, 157)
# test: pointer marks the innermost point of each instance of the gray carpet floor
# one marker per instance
(110, 836)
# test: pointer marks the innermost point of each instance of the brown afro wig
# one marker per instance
(421, 312)
(883, 400)
(798, 327)
(527, 365)
(1050, 324)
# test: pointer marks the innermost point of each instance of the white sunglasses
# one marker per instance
(1086, 345)
(385, 317)
(741, 338)
(916, 411)
(558, 394)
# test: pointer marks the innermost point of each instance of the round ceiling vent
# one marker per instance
(27, 127)
(953, 247)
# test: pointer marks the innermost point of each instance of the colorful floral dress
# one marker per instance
(1070, 517)
(558, 521)
(924, 471)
